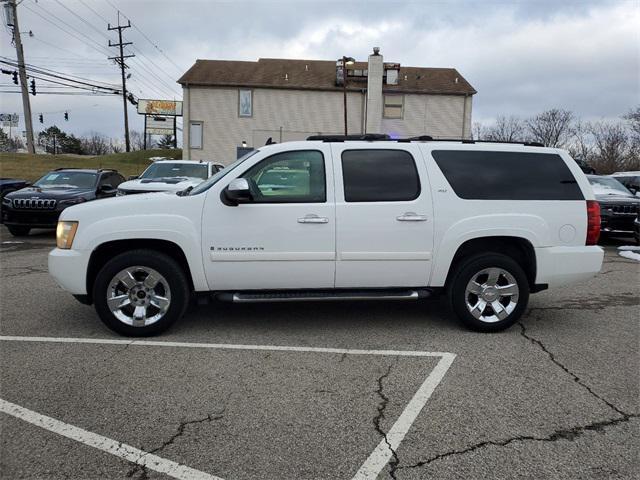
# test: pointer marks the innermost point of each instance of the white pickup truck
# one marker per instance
(486, 223)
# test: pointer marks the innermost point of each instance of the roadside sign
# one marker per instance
(160, 107)
(9, 119)
(159, 125)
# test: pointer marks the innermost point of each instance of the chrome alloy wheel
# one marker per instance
(138, 296)
(492, 295)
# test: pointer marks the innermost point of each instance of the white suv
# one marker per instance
(486, 223)
(169, 176)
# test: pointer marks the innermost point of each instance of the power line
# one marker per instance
(178, 68)
(66, 93)
(82, 19)
(102, 50)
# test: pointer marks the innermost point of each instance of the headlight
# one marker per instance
(65, 232)
(72, 201)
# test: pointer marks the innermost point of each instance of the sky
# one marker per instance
(522, 56)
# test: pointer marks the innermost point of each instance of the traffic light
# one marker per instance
(33, 87)
(15, 77)
(66, 116)
(41, 118)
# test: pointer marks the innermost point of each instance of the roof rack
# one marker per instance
(369, 137)
(383, 137)
(85, 168)
(427, 138)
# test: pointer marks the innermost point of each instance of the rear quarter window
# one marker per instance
(488, 175)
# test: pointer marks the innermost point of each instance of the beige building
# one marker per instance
(231, 103)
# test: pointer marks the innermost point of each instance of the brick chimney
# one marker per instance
(374, 92)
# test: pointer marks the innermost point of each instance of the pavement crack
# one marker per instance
(179, 432)
(384, 401)
(569, 434)
(576, 379)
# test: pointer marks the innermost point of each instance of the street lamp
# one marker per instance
(345, 61)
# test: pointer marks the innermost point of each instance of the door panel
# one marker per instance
(384, 219)
(286, 238)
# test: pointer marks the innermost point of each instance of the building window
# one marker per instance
(245, 103)
(195, 135)
(393, 106)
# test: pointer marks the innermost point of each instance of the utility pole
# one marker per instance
(120, 61)
(26, 104)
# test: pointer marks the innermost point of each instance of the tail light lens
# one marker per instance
(593, 222)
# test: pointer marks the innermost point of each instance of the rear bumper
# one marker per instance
(565, 265)
(69, 269)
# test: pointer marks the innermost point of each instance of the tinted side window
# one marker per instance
(289, 177)
(379, 176)
(507, 175)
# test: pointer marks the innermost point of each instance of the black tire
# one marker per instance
(467, 270)
(163, 264)
(18, 230)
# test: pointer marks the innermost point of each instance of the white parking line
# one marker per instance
(370, 469)
(105, 444)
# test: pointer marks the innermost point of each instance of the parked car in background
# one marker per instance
(618, 206)
(8, 185)
(170, 176)
(631, 180)
(40, 205)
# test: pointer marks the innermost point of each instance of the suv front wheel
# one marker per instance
(140, 293)
(489, 292)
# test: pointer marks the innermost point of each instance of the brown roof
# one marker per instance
(317, 75)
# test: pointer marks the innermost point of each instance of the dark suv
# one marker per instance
(618, 206)
(39, 205)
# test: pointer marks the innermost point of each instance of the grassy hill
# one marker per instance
(31, 167)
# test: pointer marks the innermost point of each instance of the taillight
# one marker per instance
(593, 222)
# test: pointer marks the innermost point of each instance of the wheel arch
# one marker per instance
(105, 251)
(519, 249)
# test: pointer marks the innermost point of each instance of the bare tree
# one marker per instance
(580, 144)
(612, 147)
(551, 128)
(95, 144)
(506, 129)
(478, 131)
(137, 140)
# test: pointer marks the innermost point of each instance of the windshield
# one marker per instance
(607, 186)
(167, 169)
(67, 180)
(204, 186)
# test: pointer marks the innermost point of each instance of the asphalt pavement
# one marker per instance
(319, 390)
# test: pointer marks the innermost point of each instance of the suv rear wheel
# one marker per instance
(489, 292)
(140, 293)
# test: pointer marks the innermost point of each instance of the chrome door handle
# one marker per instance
(411, 217)
(311, 218)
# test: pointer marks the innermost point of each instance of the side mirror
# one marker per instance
(107, 189)
(237, 192)
(132, 177)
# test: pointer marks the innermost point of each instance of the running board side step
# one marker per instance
(322, 295)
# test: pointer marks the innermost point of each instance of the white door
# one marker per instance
(384, 216)
(285, 237)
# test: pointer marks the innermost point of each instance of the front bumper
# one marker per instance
(565, 265)
(69, 269)
(31, 218)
